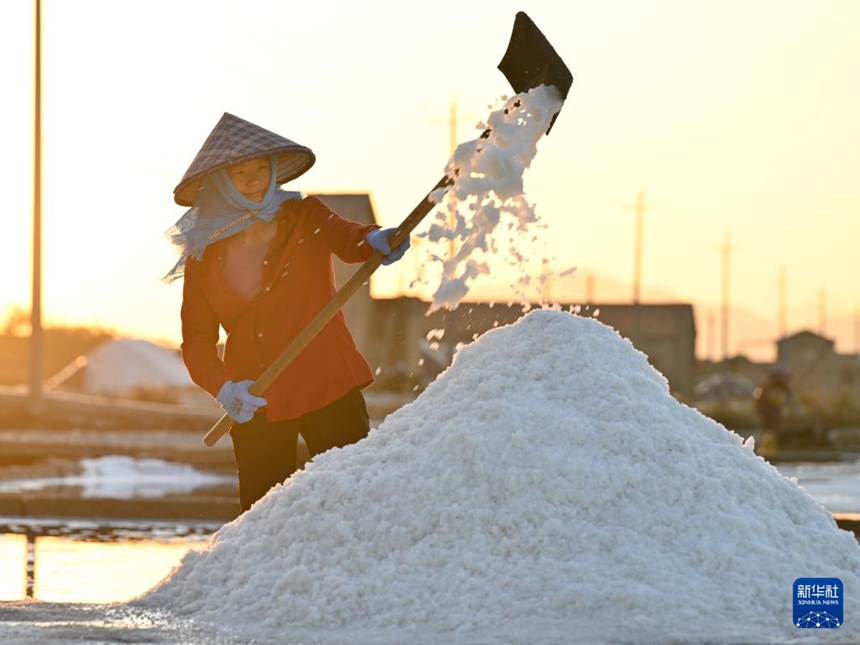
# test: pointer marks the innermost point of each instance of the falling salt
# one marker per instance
(488, 190)
(546, 488)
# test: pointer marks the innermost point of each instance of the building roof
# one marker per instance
(352, 206)
(655, 320)
(805, 336)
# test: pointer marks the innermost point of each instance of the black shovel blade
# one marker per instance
(531, 61)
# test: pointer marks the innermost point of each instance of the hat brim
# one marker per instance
(293, 162)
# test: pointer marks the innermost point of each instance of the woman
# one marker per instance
(256, 260)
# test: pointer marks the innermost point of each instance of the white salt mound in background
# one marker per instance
(545, 488)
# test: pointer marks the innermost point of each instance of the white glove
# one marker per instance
(238, 402)
(378, 240)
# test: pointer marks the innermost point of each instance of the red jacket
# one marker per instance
(298, 281)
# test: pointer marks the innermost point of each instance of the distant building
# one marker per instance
(817, 368)
(666, 333)
(413, 345)
(820, 377)
(358, 309)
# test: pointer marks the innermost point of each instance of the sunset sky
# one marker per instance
(738, 118)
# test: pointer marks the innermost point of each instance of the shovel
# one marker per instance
(529, 61)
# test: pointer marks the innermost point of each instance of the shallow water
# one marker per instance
(834, 485)
(89, 562)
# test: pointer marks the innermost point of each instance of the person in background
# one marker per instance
(257, 261)
(771, 401)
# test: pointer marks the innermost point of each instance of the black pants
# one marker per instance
(266, 452)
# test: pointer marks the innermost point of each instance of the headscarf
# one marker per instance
(219, 211)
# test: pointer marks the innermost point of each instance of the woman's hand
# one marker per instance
(378, 240)
(238, 402)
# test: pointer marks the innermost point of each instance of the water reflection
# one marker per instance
(13, 581)
(834, 485)
(85, 562)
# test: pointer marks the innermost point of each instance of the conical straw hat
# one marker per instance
(234, 140)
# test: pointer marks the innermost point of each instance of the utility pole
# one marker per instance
(37, 349)
(452, 123)
(727, 252)
(451, 315)
(639, 209)
(822, 311)
(857, 330)
(546, 283)
(452, 127)
(589, 288)
(712, 334)
(452, 146)
(783, 311)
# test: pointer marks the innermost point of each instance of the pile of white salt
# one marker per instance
(545, 488)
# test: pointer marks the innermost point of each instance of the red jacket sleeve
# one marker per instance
(200, 329)
(342, 237)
